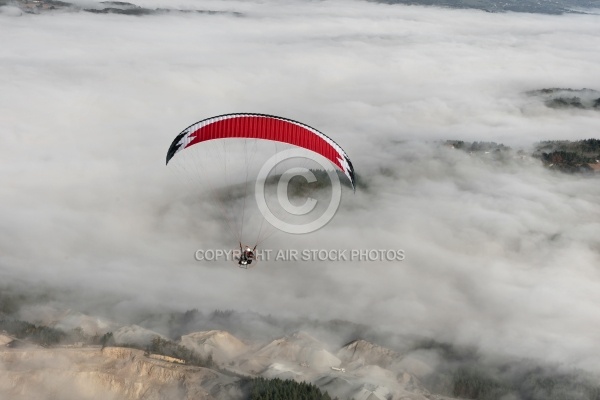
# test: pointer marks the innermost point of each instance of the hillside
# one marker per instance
(40, 362)
(110, 373)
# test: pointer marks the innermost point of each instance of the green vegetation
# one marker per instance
(278, 389)
(561, 155)
(477, 146)
(47, 336)
(465, 374)
(567, 156)
(42, 335)
(472, 383)
(107, 340)
(534, 384)
(167, 348)
(564, 98)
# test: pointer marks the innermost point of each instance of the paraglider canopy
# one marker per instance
(267, 127)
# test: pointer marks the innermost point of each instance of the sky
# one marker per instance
(499, 255)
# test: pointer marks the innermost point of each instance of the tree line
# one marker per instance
(279, 389)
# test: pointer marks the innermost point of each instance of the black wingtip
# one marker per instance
(175, 146)
(351, 173)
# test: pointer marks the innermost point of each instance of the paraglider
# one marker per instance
(266, 127)
(246, 256)
(224, 129)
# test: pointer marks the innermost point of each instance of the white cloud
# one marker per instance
(502, 256)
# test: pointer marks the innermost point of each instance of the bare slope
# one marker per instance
(113, 374)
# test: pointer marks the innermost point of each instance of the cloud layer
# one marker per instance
(502, 255)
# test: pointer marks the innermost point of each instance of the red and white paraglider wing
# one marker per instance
(267, 127)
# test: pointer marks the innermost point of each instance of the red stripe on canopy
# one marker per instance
(262, 127)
